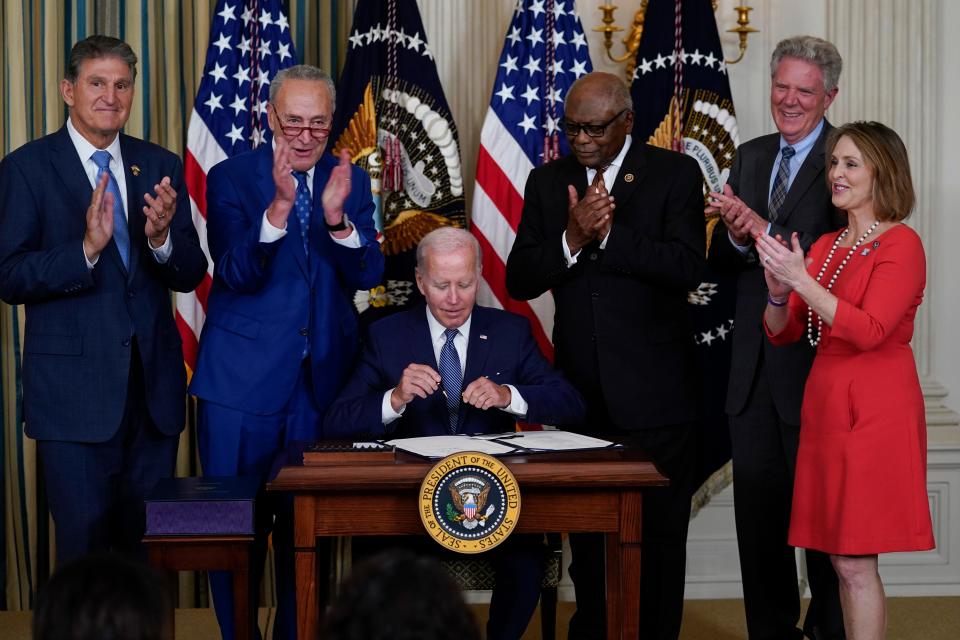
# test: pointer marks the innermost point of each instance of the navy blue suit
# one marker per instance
(270, 304)
(103, 364)
(500, 347)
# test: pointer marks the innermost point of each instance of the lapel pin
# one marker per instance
(134, 169)
(876, 243)
(865, 251)
(628, 177)
(483, 336)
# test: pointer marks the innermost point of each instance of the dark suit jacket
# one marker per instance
(500, 347)
(267, 299)
(621, 331)
(77, 342)
(806, 210)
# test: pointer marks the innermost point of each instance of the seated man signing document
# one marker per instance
(454, 367)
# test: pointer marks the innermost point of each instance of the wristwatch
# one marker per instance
(340, 226)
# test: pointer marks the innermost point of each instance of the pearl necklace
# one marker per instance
(836, 243)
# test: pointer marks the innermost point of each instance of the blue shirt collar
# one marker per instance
(804, 145)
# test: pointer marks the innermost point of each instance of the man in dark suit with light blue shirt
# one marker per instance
(776, 186)
(455, 367)
(95, 230)
(292, 237)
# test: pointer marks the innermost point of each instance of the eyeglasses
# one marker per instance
(294, 131)
(573, 129)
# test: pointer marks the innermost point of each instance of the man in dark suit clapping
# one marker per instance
(616, 231)
(95, 230)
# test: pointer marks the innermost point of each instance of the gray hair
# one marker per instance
(447, 240)
(613, 86)
(813, 50)
(302, 72)
(98, 46)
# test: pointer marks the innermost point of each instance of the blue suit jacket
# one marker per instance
(268, 299)
(77, 342)
(501, 347)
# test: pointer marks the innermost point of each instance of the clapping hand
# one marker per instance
(159, 211)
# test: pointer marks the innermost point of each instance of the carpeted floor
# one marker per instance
(909, 619)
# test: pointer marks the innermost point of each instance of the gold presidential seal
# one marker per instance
(469, 502)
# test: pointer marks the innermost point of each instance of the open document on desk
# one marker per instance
(500, 444)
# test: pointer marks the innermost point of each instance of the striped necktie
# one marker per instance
(781, 183)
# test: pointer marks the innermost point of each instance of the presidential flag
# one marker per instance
(394, 119)
(249, 43)
(682, 100)
(544, 52)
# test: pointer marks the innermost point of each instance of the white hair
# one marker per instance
(446, 240)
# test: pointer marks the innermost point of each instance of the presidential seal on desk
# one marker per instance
(469, 502)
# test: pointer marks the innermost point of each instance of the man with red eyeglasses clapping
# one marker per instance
(291, 233)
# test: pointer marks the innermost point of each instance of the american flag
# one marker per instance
(249, 42)
(544, 52)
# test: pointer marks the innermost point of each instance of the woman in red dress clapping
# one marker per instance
(860, 487)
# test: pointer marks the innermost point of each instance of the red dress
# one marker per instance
(860, 486)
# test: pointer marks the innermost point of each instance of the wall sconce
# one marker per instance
(632, 40)
(743, 28)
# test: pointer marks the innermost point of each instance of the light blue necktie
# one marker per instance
(451, 377)
(303, 207)
(780, 183)
(121, 234)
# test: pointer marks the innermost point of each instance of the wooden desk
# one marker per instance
(583, 491)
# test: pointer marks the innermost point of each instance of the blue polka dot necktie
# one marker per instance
(303, 207)
(780, 183)
(121, 234)
(451, 377)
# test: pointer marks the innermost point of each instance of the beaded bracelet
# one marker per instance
(777, 303)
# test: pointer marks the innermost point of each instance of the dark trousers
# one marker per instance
(518, 565)
(96, 489)
(234, 443)
(663, 555)
(764, 451)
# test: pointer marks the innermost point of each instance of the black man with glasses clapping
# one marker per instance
(616, 231)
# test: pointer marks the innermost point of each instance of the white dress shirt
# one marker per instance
(518, 406)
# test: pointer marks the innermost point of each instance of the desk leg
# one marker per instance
(614, 586)
(305, 543)
(244, 609)
(308, 610)
(623, 570)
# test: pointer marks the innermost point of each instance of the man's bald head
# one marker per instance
(604, 85)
